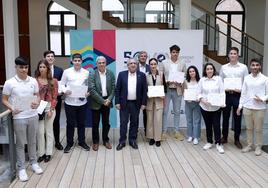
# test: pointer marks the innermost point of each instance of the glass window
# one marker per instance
(115, 8)
(60, 22)
(233, 14)
(159, 12)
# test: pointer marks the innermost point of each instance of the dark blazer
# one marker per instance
(57, 73)
(122, 89)
(96, 90)
(147, 67)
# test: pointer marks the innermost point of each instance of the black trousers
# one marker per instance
(76, 116)
(56, 122)
(130, 112)
(232, 101)
(144, 120)
(104, 112)
(212, 122)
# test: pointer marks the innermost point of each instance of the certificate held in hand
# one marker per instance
(176, 76)
(216, 99)
(190, 94)
(155, 91)
(78, 91)
(232, 83)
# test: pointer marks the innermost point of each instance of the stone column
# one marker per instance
(185, 14)
(11, 36)
(95, 14)
(265, 51)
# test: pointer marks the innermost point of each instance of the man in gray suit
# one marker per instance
(102, 93)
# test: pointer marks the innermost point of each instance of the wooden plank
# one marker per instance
(137, 164)
(193, 177)
(258, 175)
(212, 163)
(146, 163)
(170, 173)
(59, 172)
(119, 175)
(99, 169)
(130, 177)
(203, 163)
(158, 169)
(80, 167)
(109, 163)
(89, 168)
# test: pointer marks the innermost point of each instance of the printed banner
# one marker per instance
(119, 45)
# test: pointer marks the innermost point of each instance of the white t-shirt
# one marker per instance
(15, 87)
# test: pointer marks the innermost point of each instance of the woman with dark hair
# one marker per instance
(192, 109)
(48, 90)
(210, 83)
(155, 105)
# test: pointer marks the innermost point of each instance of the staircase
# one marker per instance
(201, 19)
(205, 20)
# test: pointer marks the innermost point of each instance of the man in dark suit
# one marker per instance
(145, 68)
(56, 73)
(130, 98)
(102, 85)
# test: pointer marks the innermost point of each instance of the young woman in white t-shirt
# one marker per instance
(192, 108)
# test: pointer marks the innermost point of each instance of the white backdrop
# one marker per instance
(156, 43)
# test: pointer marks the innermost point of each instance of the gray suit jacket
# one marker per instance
(96, 90)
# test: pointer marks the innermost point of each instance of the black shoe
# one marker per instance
(47, 158)
(68, 148)
(224, 140)
(84, 146)
(158, 143)
(40, 159)
(238, 144)
(120, 146)
(58, 146)
(151, 142)
(134, 145)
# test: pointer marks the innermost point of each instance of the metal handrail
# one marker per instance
(229, 36)
(11, 145)
(216, 17)
(5, 113)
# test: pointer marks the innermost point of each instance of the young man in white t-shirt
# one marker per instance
(18, 90)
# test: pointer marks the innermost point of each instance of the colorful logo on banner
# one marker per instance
(91, 44)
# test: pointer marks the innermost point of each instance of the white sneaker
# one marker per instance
(195, 142)
(37, 169)
(189, 139)
(23, 175)
(220, 148)
(207, 146)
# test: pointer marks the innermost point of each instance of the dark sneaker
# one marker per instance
(67, 149)
(84, 146)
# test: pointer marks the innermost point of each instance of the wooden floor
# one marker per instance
(174, 164)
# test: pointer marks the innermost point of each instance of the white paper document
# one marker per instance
(42, 106)
(190, 94)
(156, 91)
(23, 103)
(216, 99)
(232, 83)
(176, 76)
(78, 91)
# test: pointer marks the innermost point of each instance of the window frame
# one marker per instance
(62, 34)
(229, 15)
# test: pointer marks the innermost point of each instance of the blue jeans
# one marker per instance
(193, 117)
(176, 101)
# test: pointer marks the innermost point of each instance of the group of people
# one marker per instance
(98, 88)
